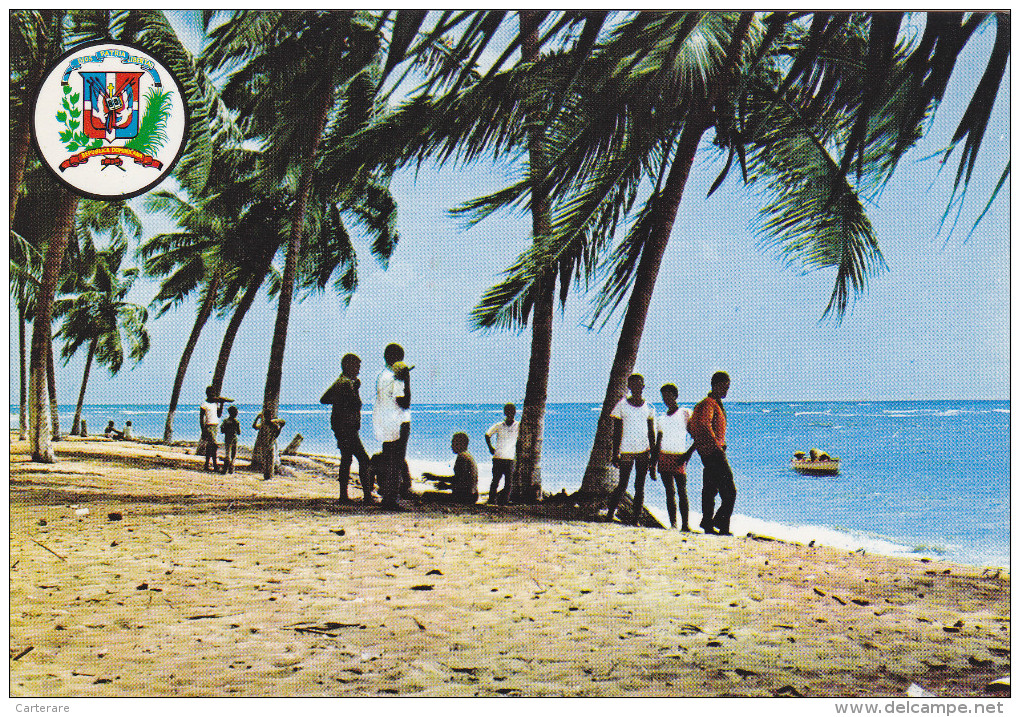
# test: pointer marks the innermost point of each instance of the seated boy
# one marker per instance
(464, 481)
(230, 429)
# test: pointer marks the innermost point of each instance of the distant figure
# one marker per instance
(673, 450)
(503, 453)
(231, 429)
(464, 481)
(391, 421)
(274, 433)
(345, 420)
(112, 432)
(633, 439)
(209, 417)
(708, 428)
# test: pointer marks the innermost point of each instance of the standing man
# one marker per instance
(209, 418)
(672, 451)
(391, 421)
(345, 420)
(708, 428)
(504, 453)
(633, 440)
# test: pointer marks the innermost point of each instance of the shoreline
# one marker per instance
(208, 585)
(798, 533)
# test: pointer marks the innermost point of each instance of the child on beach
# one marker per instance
(231, 428)
(127, 435)
(672, 453)
(112, 432)
(633, 438)
(503, 453)
(464, 481)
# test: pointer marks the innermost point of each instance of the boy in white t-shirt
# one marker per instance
(391, 421)
(672, 450)
(633, 439)
(504, 453)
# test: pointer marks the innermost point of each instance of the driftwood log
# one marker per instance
(292, 447)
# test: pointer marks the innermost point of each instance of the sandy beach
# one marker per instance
(135, 573)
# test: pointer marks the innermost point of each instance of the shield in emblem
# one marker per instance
(111, 104)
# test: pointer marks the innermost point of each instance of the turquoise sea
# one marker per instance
(918, 477)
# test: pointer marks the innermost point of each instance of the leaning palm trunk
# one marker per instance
(182, 368)
(595, 484)
(76, 424)
(231, 333)
(39, 433)
(264, 455)
(22, 378)
(19, 156)
(51, 387)
(528, 470)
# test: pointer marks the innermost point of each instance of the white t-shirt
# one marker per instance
(386, 414)
(506, 439)
(209, 417)
(673, 428)
(635, 425)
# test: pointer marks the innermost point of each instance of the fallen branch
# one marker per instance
(23, 652)
(45, 548)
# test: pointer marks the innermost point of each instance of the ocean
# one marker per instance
(923, 478)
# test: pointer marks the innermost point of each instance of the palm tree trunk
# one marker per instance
(22, 378)
(595, 484)
(19, 156)
(182, 368)
(39, 435)
(264, 455)
(528, 470)
(231, 333)
(76, 424)
(51, 386)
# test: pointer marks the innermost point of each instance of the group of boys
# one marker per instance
(391, 424)
(641, 440)
(644, 441)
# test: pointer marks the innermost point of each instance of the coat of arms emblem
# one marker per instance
(109, 120)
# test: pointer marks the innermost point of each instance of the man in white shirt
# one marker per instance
(209, 417)
(504, 453)
(633, 439)
(391, 421)
(673, 449)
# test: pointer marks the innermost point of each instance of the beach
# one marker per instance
(135, 573)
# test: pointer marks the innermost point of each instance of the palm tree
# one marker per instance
(502, 112)
(673, 77)
(187, 260)
(25, 269)
(314, 65)
(100, 317)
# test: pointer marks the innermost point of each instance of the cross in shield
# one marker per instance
(111, 104)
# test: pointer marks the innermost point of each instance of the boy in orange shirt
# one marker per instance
(708, 429)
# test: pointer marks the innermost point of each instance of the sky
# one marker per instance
(934, 326)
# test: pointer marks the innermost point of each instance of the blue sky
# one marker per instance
(935, 326)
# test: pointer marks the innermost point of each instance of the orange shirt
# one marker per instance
(708, 425)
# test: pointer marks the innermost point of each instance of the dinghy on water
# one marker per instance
(816, 463)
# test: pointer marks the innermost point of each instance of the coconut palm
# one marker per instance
(673, 77)
(99, 317)
(503, 112)
(297, 76)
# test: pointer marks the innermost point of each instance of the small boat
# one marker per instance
(817, 463)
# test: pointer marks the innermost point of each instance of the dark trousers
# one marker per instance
(680, 480)
(392, 480)
(501, 468)
(349, 443)
(640, 471)
(718, 478)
